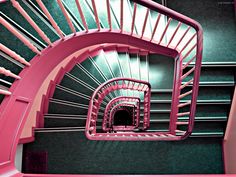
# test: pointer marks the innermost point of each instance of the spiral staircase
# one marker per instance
(109, 82)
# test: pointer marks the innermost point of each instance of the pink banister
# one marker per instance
(109, 14)
(121, 14)
(173, 35)
(31, 22)
(13, 55)
(5, 92)
(155, 27)
(8, 73)
(96, 15)
(66, 16)
(164, 32)
(133, 19)
(145, 22)
(50, 18)
(19, 35)
(81, 15)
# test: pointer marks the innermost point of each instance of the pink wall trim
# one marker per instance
(229, 143)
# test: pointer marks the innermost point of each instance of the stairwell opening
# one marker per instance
(123, 117)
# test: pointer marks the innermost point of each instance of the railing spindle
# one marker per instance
(164, 32)
(31, 22)
(121, 14)
(182, 37)
(109, 14)
(50, 18)
(96, 15)
(81, 15)
(133, 19)
(13, 55)
(8, 73)
(155, 27)
(173, 35)
(66, 16)
(19, 35)
(145, 22)
(5, 92)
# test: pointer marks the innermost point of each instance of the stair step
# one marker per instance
(59, 122)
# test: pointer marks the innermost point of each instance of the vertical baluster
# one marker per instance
(133, 20)
(173, 35)
(96, 15)
(5, 92)
(188, 42)
(182, 37)
(81, 15)
(145, 22)
(164, 32)
(66, 16)
(50, 18)
(109, 14)
(8, 73)
(13, 55)
(121, 14)
(19, 35)
(31, 22)
(155, 27)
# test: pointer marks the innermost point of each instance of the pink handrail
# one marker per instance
(113, 102)
(109, 86)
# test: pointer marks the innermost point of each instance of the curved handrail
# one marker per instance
(22, 100)
(109, 86)
(113, 102)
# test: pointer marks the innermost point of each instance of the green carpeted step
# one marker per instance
(56, 13)
(100, 62)
(76, 85)
(63, 122)
(213, 93)
(88, 13)
(214, 74)
(89, 67)
(76, 155)
(205, 127)
(78, 72)
(66, 94)
(65, 107)
(112, 59)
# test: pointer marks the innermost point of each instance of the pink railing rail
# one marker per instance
(107, 119)
(110, 86)
(119, 107)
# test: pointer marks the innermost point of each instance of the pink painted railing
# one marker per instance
(122, 128)
(120, 101)
(167, 38)
(102, 91)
